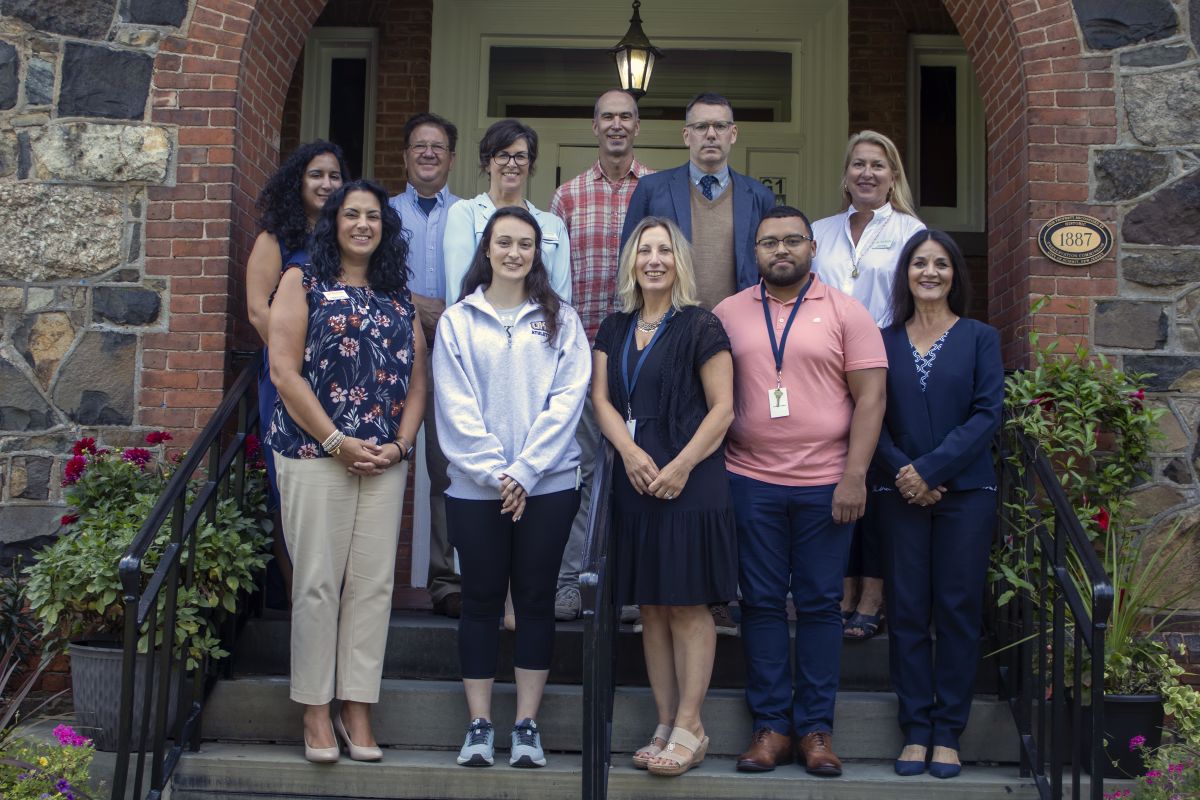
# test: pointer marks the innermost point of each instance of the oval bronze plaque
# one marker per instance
(1075, 240)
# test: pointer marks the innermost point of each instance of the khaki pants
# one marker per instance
(342, 532)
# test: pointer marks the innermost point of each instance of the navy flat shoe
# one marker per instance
(940, 769)
(908, 768)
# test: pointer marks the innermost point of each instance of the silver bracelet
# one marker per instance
(333, 444)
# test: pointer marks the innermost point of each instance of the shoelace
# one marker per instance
(819, 741)
(762, 734)
(479, 734)
(526, 735)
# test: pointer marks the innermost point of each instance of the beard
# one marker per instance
(785, 273)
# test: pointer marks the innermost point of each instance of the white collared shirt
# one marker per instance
(874, 256)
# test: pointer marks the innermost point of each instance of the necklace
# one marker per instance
(650, 327)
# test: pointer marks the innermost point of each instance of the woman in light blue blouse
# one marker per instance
(507, 154)
(348, 358)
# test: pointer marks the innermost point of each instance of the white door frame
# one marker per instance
(809, 148)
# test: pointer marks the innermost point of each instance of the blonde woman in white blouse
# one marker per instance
(856, 252)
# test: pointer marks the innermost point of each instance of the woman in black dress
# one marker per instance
(662, 386)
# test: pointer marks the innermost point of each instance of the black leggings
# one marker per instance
(492, 551)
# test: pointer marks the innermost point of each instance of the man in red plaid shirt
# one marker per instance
(593, 205)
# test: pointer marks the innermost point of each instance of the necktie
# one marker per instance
(706, 186)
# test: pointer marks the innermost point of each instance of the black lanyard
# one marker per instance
(777, 347)
(631, 384)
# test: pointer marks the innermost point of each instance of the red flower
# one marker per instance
(137, 455)
(68, 519)
(252, 446)
(85, 445)
(1137, 397)
(1101, 518)
(73, 471)
(157, 437)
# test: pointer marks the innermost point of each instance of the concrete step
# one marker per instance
(433, 714)
(276, 772)
(425, 646)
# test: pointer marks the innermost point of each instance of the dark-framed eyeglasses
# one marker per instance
(436, 148)
(769, 244)
(503, 157)
(701, 128)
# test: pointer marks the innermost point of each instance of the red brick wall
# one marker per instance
(405, 31)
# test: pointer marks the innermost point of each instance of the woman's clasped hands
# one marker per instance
(914, 489)
(366, 459)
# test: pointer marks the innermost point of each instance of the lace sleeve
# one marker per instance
(608, 337)
(710, 338)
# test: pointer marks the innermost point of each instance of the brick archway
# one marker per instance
(224, 85)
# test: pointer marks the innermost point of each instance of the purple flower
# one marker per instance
(1136, 742)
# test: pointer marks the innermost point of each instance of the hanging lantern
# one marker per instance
(635, 56)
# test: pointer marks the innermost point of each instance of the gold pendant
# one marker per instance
(854, 273)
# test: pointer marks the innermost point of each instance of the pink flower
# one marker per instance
(68, 519)
(137, 455)
(85, 445)
(74, 470)
(158, 437)
(1136, 742)
(307, 451)
(67, 737)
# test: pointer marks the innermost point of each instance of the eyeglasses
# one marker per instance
(503, 157)
(794, 242)
(438, 150)
(701, 128)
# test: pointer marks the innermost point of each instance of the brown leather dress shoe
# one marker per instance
(768, 750)
(816, 750)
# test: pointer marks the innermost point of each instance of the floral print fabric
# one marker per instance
(358, 355)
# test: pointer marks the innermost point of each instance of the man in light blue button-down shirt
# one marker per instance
(429, 143)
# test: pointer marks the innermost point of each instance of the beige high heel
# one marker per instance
(321, 755)
(641, 759)
(357, 753)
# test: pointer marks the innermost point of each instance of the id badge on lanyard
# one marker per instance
(777, 398)
(631, 383)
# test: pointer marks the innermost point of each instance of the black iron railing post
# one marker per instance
(597, 587)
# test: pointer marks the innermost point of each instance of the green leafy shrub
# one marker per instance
(75, 587)
(32, 770)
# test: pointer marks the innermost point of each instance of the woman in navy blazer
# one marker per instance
(935, 483)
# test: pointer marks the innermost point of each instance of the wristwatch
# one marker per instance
(406, 453)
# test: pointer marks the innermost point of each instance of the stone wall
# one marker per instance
(77, 156)
(1150, 177)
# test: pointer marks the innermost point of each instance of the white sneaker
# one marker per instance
(526, 745)
(479, 747)
(567, 603)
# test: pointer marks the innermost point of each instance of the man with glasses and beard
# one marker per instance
(429, 142)
(798, 481)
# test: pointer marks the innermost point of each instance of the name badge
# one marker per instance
(777, 399)
(631, 425)
(336, 294)
(885, 245)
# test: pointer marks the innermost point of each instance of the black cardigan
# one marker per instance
(697, 337)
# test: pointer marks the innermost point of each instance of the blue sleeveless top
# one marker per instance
(358, 356)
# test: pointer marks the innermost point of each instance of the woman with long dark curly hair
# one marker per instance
(348, 357)
(289, 205)
(510, 370)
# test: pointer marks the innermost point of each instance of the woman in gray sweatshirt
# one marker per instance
(511, 368)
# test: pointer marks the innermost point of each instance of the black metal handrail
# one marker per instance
(1032, 629)
(214, 469)
(597, 592)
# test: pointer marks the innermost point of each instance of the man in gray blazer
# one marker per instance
(716, 208)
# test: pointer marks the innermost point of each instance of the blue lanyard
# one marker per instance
(777, 347)
(630, 385)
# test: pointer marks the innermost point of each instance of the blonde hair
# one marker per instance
(900, 195)
(683, 292)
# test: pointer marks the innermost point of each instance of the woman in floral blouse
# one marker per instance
(348, 358)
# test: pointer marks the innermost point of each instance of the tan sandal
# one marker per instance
(680, 737)
(641, 759)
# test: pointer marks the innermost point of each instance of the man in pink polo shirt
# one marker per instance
(809, 390)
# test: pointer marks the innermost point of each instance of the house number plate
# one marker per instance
(1075, 240)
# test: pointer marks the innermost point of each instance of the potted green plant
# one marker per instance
(1095, 426)
(75, 589)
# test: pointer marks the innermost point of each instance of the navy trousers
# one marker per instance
(788, 541)
(937, 567)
